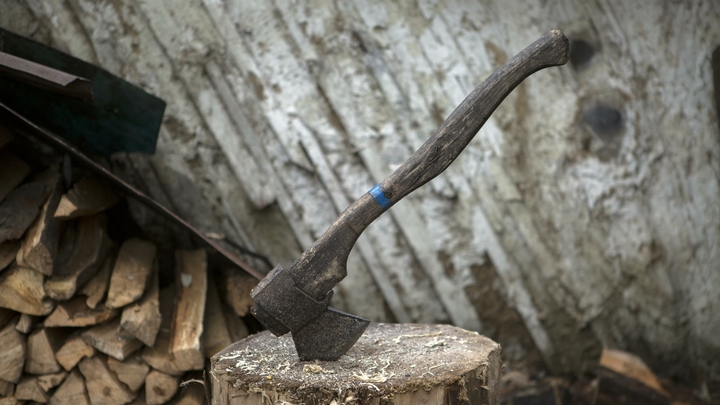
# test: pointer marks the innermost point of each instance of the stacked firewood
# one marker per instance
(85, 319)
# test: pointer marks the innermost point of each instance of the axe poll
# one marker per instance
(297, 299)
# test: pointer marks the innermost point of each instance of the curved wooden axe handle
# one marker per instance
(322, 266)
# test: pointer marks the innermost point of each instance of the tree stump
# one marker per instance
(390, 364)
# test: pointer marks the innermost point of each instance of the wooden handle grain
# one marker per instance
(323, 264)
(460, 127)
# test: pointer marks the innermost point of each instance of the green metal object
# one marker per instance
(118, 117)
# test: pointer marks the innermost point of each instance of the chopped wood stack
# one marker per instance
(84, 319)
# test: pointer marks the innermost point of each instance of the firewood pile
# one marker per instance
(86, 318)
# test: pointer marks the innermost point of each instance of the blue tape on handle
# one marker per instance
(378, 194)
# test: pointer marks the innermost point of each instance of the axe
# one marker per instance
(297, 299)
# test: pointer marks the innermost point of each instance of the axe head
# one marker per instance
(319, 331)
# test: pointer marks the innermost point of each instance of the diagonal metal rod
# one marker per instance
(58, 143)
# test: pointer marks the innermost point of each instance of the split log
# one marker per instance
(21, 289)
(10, 401)
(12, 173)
(71, 392)
(624, 378)
(74, 350)
(50, 381)
(88, 196)
(8, 251)
(12, 355)
(6, 388)
(26, 323)
(391, 363)
(187, 323)
(28, 389)
(88, 255)
(215, 335)
(235, 286)
(102, 384)
(42, 345)
(96, 288)
(131, 372)
(142, 319)
(158, 356)
(111, 339)
(20, 209)
(160, 387)
(192, 394)
(39, 246)
(131, 273)
(76, 313)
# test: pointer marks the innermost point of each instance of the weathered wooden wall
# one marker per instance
(585, 213)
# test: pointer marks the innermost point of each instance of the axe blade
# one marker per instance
(329, 336)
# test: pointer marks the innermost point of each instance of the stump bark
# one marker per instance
(390, 364)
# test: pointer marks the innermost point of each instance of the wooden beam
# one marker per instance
(21, 289)
(131, 273)
(88, 196)
(13, 353)
(187, 324)
(88, 255)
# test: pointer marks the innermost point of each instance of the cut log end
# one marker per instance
(402, 363)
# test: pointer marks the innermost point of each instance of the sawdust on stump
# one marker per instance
(390, 364)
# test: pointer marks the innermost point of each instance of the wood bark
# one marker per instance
(158, 356)
(20, 209)
(8, 250)
(96, 289)
(586, 207)
(400, 363)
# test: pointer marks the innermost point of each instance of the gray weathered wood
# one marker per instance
(585, 235)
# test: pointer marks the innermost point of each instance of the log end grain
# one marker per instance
(404, 363)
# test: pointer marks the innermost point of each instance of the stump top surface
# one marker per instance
(387, 358)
